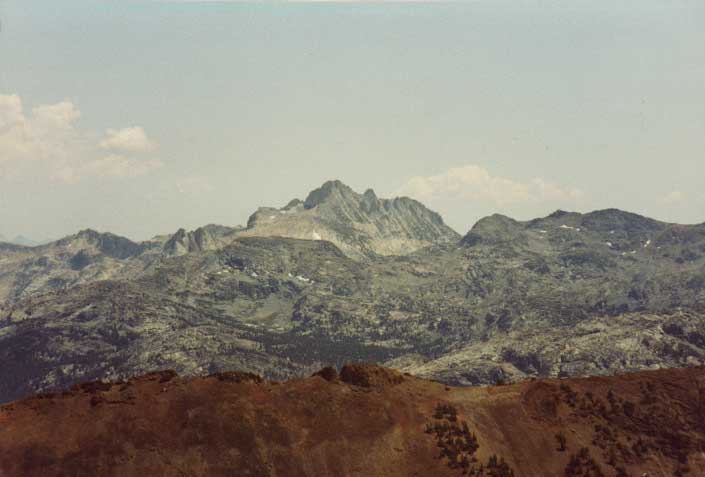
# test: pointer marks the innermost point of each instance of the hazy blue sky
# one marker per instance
(141, 117)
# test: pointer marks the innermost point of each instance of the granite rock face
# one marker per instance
(210, 237)
(360, 225)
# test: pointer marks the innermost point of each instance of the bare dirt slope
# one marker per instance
(367, 421)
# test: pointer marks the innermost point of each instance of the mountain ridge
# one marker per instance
(359, 224)
(568, 294)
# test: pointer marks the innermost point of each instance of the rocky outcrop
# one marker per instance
(370, 375)
(210, 237)
(108, 244)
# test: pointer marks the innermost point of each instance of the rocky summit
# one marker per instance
(210, 237)
(564, 295)
(358, 224)
(363, 421)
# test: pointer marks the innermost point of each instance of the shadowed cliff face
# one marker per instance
(365, 421)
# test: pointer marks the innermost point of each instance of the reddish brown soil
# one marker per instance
(369, 421)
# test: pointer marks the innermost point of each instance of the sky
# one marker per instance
(140, 117)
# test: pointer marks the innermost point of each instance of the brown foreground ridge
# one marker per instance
(364, 421)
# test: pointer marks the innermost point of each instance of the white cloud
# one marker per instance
(10, 111)
(674, 197)
(476, 183)
(47, 136)
(60, 116)
(132, 139)
(47, 142)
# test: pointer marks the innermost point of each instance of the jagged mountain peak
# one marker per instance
(359, 224)
(178, 243)
(330, 190)
(94, 235)
(107, 243)
(208, 237)
(335, 194)
(88, 232)
(293, 203)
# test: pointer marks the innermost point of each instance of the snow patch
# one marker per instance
(648, 242)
